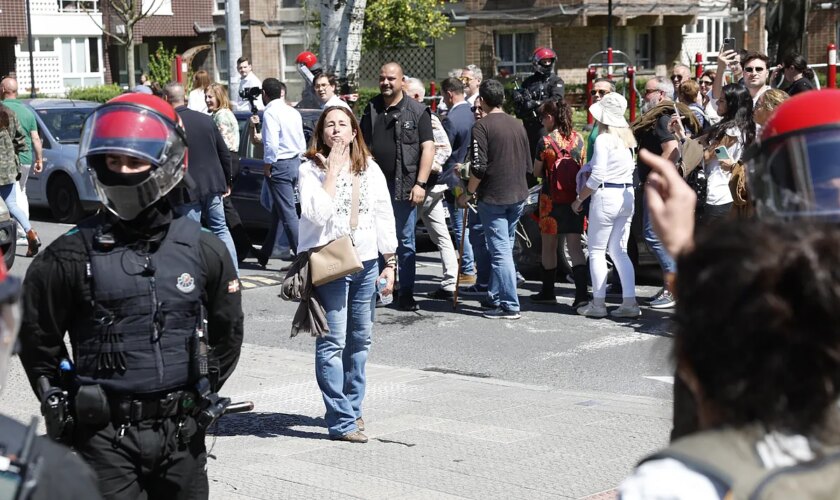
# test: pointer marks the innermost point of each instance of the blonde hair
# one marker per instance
(624, 134)
(771, 99)
(218, 91)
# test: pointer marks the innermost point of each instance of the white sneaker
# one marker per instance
(592, 311)
(626, 311)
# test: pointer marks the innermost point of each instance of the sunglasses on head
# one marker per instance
(754, 69)
(601, 93)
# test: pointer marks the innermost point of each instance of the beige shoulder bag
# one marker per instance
(338, 258)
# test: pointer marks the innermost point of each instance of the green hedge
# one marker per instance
(101, 93)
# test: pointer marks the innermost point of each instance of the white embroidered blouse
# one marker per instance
(324, 218)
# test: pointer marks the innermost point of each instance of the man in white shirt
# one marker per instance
(283, 143)
(325, 85)
(247, 79)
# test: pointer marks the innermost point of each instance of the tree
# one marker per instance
(128, 13)
(393, 24)
(160, 64)
(341, 37)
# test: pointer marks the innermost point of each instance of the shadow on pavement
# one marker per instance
(266, 425)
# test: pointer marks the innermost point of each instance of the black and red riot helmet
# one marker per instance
(796, 170)
(141, 126)
(307, 58)
(543, 59)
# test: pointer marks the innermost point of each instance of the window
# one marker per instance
(220, 6)
(291, 4)
(290, 53)
(514, 51)
(78, 6)
(93, 54)
(643, 51)
(158, 7)
(79, 59)
(41, 44)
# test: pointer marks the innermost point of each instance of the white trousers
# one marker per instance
(434, 218)
(610, 215)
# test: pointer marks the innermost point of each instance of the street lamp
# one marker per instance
(31, 48)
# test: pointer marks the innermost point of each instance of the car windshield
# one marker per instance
(65, 124)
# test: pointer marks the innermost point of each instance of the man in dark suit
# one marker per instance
(209, 169)
(458, 124)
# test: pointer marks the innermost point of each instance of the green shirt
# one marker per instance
(590, 142)
(26, 118)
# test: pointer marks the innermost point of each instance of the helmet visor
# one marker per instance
(799, 176)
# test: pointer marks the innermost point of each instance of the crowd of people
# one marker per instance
(144, 266)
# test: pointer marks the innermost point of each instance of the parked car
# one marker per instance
(527, 250)
(8, 235)
(61, 187)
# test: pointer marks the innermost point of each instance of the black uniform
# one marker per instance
(535, 90)
(58, 473)
(131, 295)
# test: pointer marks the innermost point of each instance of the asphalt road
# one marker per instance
(549, 346)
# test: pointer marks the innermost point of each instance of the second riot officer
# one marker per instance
(152, 306)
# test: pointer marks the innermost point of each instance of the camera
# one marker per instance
(252, 94)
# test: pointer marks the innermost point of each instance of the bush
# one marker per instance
(160, 64)
(100, 93)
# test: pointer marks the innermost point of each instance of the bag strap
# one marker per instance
(354, 202)
(560, 152)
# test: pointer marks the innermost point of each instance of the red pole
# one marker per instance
(831, 81)
(590, 78)
(433, 90)
(698, 65)
(631, 73)
(179, 74)
(609, 62)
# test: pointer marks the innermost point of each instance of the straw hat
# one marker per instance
(610, 110)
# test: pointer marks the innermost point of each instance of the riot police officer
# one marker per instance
(535, 90)
(153, 309)
(33, 467)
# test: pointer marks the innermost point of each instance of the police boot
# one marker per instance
(34, 243)
(546, 295)
(581, 276)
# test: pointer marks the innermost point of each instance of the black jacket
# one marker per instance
(536, 89)
(56, 291)
(208, 160)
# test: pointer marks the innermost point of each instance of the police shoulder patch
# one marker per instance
(233, 285)
(185, 283)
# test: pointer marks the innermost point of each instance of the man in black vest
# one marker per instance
(37, 467)
(399, 134)
(543, 85)
(152, 305)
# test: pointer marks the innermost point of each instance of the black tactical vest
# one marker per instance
(145, 307)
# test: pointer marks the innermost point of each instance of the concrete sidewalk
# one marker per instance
(433, 435)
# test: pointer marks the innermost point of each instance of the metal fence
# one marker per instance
(416, 62)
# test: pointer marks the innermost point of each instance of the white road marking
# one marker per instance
(606, 342)
(667, 380)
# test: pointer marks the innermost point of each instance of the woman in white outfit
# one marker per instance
(611, 187)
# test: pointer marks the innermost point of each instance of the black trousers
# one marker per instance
(151, 460)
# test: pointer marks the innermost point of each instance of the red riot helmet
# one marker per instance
(543, 60)
(795, 171)
(143, 127)
(307, 58)
(10, 288)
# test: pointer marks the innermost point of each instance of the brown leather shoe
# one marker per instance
(360, 424)
(466, 279)
(34, 243)
(353, 437)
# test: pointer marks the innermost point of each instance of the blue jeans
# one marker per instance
(479, 246)
(499, 231)
(666, 262)
(8, 194)
(340, 355)
(456, 213)
(283, 184)
(214, 212)
(406, 221)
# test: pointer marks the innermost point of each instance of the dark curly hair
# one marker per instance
(758, 322)
(562, 114)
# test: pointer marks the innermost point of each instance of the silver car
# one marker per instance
(68, 193)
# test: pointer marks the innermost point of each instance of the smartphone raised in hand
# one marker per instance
(728, 44)
(722, 153)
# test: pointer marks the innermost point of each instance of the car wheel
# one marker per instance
(64, 199)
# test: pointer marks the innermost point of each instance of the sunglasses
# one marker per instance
(705, 82)
(473, 108)
(756, 69)
(601, 93)
(677, 78)
(650, 91)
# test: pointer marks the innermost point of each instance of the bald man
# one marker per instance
(26, 117)
(398, 131)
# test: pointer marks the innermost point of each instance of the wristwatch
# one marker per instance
(422, 184)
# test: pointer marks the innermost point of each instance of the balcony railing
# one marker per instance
(64, 6)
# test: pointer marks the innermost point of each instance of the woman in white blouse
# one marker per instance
(611, 210)
(326, 184)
